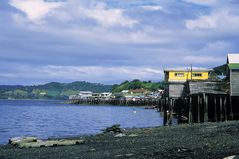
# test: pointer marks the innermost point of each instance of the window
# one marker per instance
(197, 75)
(235, 70)
(179, 74)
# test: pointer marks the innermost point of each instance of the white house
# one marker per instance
(125, 91)
(85, 94)
(105, 94)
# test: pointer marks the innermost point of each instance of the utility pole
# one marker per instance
(191, 72)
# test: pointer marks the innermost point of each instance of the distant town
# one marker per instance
(133, 94)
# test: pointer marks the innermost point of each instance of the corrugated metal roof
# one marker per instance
(233, 58)
(187, 69)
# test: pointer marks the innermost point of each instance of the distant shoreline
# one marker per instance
(64, 101)
(36, 99)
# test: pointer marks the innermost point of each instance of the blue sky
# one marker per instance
(109, 41)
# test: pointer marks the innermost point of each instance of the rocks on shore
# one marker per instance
(120, 135)
(232, 157)
(113, 129)
(33, 142)
(19, 140)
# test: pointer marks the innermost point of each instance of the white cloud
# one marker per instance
(217, 47)
(112, 24)
(153, 8)
(201, 59)
(203, 22)
(8, 75)
(35, 10)
(212, 53)
(97, 72)
(88, 73)
(97, 33)
(108, 17)
(202, 2)
(222, 20)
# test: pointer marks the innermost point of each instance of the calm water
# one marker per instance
(46, 119)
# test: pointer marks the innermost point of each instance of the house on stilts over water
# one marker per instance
(194, 95)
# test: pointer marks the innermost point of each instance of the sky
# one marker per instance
(110, 41)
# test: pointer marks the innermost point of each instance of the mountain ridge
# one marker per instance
(52, 90)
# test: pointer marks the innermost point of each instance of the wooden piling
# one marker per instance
(190, 111)
(221, 113)
(215, 108)
(165, 115)
(170, 111)
(231, 112)
(225, 107)
(199, 109)
(205, 98)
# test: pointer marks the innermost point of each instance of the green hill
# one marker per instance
(220, 69)
(135, 84)
(218, 72)
(53, 90)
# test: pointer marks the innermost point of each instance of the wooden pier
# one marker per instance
(193, 97)
(120, 102)
(204, 101)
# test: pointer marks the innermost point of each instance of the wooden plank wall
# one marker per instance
(175, 90)
(195, 87)
(234, 82)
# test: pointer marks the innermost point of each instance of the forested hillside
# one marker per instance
(136, 84)
(53, 90)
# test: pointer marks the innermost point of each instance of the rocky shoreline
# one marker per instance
(209, 140)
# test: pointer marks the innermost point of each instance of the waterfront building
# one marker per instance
(137, 91)
(105, 94)
(176, 80)
(185, 74)
(85, 94)
(125, 91)
(233, 73)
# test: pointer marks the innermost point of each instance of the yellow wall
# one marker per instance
(187, 76)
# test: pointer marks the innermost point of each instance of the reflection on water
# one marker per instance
(45, 118)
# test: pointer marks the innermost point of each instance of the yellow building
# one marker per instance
(182, 75)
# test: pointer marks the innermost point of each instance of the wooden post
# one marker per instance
(165, 115)
(186, 105)
(179, 106)
(221, 114)
(190, 111)
(215, 109)
(170, 111)
(205, 107)
(160, 105)
(199, 108)
(231, 112)
(225, 107)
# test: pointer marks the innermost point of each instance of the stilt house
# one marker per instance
(233, 73)
(176, 80)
